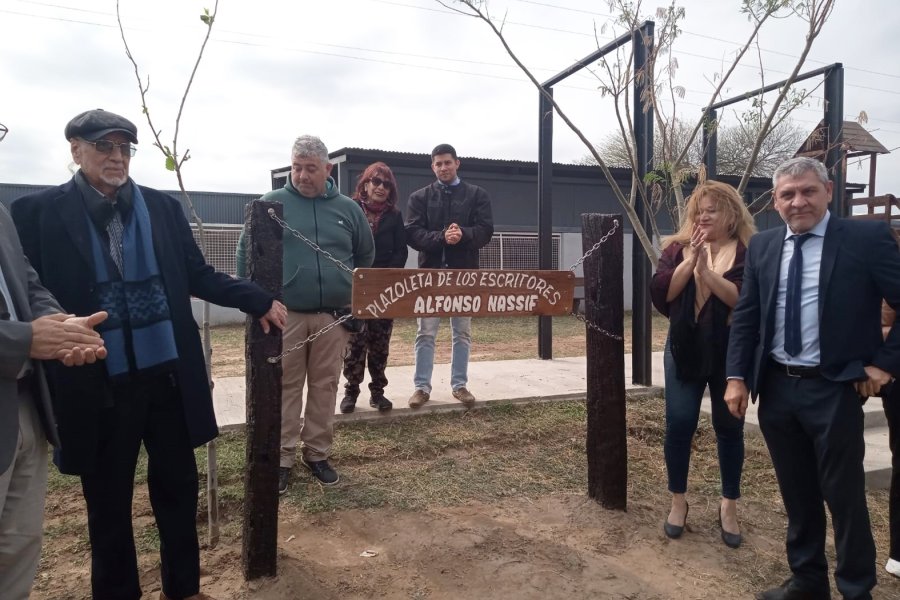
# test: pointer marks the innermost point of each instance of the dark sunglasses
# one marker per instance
(376, 181)
(107, 147)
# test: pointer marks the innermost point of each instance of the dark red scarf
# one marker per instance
(373, 211)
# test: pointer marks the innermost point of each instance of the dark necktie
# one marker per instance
(115, 230)
(792, 338)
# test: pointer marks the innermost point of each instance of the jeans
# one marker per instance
(682, 413)
(462, 340)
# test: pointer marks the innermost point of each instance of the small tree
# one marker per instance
(175, 162)
(663, 94)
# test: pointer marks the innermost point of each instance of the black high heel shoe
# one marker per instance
(732, 540)
(674, 532)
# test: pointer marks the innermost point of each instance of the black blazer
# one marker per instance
(860, 266)
(53, 227)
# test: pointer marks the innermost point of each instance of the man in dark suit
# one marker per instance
(33, 327)
(102, 242)
(806, 338)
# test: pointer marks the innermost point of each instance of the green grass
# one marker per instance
(440, 459)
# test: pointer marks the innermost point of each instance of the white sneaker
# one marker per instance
(893, 567)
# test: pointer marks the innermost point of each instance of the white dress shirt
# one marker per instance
(809, 355)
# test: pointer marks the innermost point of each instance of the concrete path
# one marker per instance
(530, 380)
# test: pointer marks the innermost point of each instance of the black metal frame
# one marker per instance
(834, 122)
(642, 39)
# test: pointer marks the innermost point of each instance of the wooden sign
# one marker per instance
(391, 293)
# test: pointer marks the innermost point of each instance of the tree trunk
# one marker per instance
(607, 453)
(260, 535)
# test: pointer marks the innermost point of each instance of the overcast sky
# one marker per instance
(400, 75)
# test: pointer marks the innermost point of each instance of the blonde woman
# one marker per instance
(696, 285)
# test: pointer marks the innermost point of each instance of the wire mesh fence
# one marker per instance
(504, 251)
(515, 251)
(221, 243)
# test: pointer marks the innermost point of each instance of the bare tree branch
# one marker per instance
(174, 164)
(817, 12)
(642, 236)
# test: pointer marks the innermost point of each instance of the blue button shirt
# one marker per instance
(809, 355)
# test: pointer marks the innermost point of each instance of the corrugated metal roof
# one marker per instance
(471, 163)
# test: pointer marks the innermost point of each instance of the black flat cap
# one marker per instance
(92, 125)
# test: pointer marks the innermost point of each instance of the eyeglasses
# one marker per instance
(376, 181)
(3, 131)
(107, 147)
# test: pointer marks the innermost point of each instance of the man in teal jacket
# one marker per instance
(314, 288)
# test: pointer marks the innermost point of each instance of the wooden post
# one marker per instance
(607, 454)
(260, 535)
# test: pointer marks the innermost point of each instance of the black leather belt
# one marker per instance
(794, 370)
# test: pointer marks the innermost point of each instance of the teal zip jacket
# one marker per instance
(336, 224)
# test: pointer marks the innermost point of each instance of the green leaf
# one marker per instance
(170, 163)
(205, 19)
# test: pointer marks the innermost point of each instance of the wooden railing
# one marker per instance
(886, 203)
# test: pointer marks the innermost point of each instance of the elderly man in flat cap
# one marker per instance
(33, 328)
(102, 242)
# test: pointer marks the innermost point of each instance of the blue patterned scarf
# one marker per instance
(136, 301)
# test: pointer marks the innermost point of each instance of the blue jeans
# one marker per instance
(462, 340)
(682, 413)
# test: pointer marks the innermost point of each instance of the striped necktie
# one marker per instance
(115, 229)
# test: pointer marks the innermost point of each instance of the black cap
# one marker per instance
(92, 125)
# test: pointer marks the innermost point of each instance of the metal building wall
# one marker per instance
(213, 207)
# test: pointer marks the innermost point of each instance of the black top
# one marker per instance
(390, 241)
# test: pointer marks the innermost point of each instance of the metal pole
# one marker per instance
(545, 212)
(834, 122)
(710, 145)
(641, 356)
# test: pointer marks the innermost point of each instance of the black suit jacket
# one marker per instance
(31, 300)
(53, 226)
(860, 266)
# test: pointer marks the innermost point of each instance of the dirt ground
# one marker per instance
(530, 536)
(557, 546)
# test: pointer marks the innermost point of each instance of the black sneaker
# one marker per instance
(381, 403)
(348, 404)
(284, 478)
(322, 471)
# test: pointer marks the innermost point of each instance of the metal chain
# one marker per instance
(326, 254)
(309, 242)
(597, 328)
(312, 338)
(597, 245)
(593, 248)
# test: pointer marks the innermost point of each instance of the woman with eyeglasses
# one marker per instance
(376, 193)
